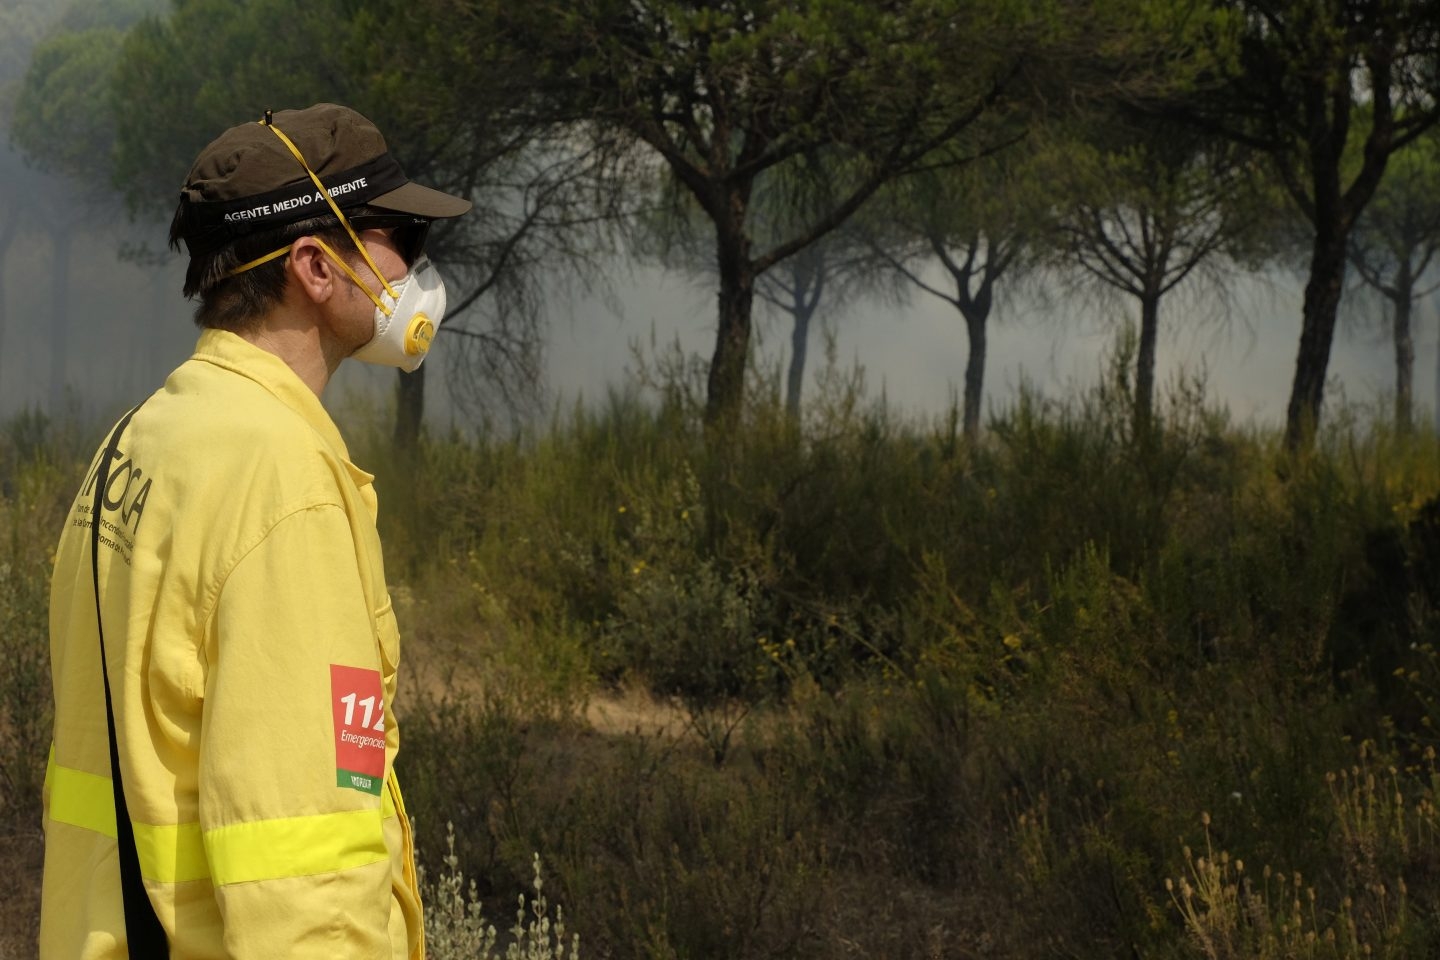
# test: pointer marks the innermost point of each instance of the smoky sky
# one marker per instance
(129, 325)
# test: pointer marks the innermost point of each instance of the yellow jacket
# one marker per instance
(252, 654)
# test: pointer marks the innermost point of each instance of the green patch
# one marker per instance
(358, 781)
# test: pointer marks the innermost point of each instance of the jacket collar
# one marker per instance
(234, 353)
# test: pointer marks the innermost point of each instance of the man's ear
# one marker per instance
(312, 270)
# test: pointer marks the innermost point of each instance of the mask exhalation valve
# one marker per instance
(419, 334)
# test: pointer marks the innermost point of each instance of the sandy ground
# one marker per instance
(634, 712)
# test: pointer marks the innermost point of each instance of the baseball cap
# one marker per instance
(247, 179)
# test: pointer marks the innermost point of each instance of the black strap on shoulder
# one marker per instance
(145, 936)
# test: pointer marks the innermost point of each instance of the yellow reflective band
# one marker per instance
(171, 854)
(81, 799)
(333, 205)
(295, 846)
(259, 260)
(167, 853)
(379, 305)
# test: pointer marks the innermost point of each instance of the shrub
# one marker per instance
(1361, 906)
(456, 928)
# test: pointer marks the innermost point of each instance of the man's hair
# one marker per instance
(237, 303)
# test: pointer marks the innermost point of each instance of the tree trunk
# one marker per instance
(1322, 301)
(409, 407)
(975, 308)
(975, 318)
(725, 391)
(799, 344)
(59, 318)
(1404, 356)
(1144, 416)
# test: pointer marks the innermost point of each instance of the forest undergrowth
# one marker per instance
(1065, 692)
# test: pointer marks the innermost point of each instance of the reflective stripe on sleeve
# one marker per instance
(81, 799)
(295, 846)
(260, 850)
(168, 853)
(171, 854)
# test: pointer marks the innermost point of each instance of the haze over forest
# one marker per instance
(128, 324)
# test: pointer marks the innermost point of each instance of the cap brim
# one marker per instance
(422, 202)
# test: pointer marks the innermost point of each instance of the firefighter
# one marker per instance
(223, 647)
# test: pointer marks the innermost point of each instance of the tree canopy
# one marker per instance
(1394, 244)
(721, 93)
(1147, 206)
(559, 117)
(978, 222)
(1315, 85)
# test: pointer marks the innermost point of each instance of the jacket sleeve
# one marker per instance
(294, 839)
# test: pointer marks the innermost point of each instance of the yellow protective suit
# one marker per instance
(252, 651)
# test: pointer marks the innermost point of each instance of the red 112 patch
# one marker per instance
(357, 702)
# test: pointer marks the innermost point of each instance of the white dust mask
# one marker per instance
(406, 322)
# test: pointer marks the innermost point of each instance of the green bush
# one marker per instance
(38, 490)
(979, 689)
(898, 695)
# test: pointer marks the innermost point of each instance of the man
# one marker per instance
(250, 647)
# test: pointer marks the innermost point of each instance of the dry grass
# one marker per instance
(21, 860)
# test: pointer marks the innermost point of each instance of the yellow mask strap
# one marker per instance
(259, 260)
(353, 276)
(343, 222)
(273, 254)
